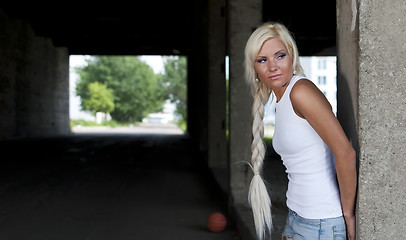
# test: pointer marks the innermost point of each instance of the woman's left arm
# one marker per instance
(310, 104)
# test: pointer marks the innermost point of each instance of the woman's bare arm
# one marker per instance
(310, 104)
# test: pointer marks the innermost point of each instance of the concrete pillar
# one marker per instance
(244, 16)
(372, 86)
(197, 82)
(217, 143)
(34, 84)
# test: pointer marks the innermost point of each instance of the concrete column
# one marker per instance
(47, 73)
(197, 82)
(372, 73)
(217, 143)
(34, 84)
(244, 16)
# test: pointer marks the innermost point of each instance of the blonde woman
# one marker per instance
(309, 138)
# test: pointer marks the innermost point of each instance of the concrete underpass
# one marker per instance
(57, 185)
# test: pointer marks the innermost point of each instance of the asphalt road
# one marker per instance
(142, 128)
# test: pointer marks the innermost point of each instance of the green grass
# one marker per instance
(111, 123)
(268, 141)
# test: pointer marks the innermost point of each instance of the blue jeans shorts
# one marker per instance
(301, 228)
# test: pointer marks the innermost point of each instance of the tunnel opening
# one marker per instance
(128, 94)
(107, 186)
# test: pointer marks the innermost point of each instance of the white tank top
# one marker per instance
(312, 190)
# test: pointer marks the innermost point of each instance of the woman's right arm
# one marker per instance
(311, 104)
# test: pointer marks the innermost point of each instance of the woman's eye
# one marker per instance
(261, 60)
(281, 56)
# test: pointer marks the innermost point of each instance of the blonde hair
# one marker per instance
(258, 194)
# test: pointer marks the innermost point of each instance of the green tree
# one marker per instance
(100, 98)
(136, 89)
(174, 81)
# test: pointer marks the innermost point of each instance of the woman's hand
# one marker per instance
(350, 225)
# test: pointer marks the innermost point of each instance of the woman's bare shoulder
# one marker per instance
(306, 96)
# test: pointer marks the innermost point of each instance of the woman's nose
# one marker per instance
(272, 65)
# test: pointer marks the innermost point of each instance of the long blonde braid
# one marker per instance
(258, 194)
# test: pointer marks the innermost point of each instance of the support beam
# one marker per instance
(34, 83)
(217, 143)
(243, 17)
(372, 107)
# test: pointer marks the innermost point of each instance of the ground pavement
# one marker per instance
(114, 187)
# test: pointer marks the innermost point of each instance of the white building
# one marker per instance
(323, 72)
(166, 116)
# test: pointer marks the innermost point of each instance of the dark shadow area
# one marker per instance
(345, 113)
(314, 30)
(107, 187)
(277, 183)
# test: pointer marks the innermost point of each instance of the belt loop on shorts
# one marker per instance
(294, 214)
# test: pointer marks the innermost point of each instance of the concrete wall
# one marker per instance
(197, 121)
(371, 54)
(243, 17)
(217, 143)
(34, 83)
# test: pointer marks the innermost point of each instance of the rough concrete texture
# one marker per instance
(347, 70)
(382, 119)
(243, 17)
(217, 143)
(34, 88)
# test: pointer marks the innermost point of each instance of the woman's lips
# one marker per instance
(275, 77)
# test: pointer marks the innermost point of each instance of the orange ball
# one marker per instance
(216, 222)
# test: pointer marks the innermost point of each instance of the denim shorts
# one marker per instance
(301, 228)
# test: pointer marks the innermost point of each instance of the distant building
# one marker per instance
(323, 72)
(166, 116)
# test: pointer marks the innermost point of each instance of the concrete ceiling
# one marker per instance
(152, 27)
(163, 27)
(313, 23)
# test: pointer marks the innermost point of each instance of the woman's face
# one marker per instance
(274, 65)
